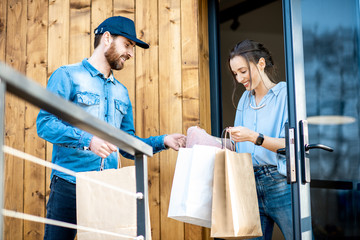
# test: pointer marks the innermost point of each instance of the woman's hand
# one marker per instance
(242, 134)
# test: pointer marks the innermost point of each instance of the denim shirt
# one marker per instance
(269, 120)
(104, 98)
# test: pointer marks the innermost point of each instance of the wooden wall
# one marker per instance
(168, 85)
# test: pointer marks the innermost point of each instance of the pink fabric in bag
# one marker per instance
(198, 136)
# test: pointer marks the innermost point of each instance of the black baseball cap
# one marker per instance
(123, 26)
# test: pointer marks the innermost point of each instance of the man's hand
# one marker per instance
(101, 148)
(175, 141)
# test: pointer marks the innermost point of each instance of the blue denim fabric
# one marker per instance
(62, 207)
(104, 98)
(274, 197)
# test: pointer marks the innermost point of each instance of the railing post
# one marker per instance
(2, 157)
(142, 204)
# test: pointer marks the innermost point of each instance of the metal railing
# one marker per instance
(32, 92)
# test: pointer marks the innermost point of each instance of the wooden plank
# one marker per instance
(36, 69)
(190, 63)
(3, 6)
(126, 8)
(170, 105)
(58, 53)
(79, 30)
(14, 118)
(58, 48)
(100, 10)
(204, 73)
(147, 98)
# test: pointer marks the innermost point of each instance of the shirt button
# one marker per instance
(106, 115)
(105, 98)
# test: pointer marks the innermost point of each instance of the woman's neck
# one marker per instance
(263, 88)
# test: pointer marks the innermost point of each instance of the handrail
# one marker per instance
(14, 82)
(36, 94)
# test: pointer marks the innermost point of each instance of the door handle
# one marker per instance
(282, 151)
(304, 148)
(289, 152)
(319, 146)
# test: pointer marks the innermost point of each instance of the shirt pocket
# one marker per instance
(90, 102)
(120, 111)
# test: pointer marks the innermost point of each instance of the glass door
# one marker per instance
(322, 65)
(331, 62)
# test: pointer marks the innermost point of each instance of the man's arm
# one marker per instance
(158, 143)
(53, 129)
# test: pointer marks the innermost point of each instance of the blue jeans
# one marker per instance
(62, 207)
(274, 197)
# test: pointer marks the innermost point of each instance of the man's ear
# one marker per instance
(107, 38)
(261, 64)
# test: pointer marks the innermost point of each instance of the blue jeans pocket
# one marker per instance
(276, 176)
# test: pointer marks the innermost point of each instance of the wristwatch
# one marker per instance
(259, 140)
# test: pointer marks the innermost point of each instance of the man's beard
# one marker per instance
(113, 58)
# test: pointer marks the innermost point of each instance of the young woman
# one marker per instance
(259, 129)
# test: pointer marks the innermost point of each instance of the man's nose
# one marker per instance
(131, 52)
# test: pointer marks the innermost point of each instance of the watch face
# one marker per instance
(259, 139)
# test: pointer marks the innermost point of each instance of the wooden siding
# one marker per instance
(168, 86)
(34, 175)
(15, 121)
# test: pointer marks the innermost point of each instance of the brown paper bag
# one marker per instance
(235, 211)
(103, 208)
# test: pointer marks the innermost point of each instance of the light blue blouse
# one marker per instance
(269, 120)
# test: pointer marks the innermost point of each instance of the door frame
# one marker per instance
(214, 68)
(295, 78)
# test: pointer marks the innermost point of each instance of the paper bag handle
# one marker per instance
(224, 133)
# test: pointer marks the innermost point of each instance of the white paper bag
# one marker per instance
(191, 193)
